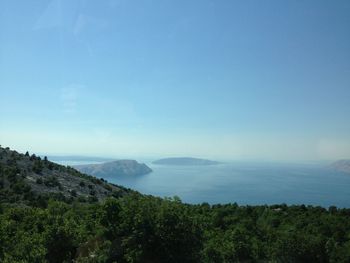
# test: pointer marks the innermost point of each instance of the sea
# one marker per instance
(245, 183)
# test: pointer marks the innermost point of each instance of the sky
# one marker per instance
(238, 80)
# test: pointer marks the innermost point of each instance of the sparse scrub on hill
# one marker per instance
(52, 225)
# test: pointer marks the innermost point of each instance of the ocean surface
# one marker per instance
(245, 183)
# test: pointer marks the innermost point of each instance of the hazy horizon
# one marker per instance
(233, 80)
(149, 158)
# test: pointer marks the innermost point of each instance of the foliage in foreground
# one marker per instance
(137, 228)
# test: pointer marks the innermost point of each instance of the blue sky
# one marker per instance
(265, 80)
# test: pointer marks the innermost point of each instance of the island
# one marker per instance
(53, 213)
(342, 166)
(185, 161)
(115, 168)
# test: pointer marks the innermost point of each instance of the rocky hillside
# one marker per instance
(28, 178)
(115, 168)
(342, 165)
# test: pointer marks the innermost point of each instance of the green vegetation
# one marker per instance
(27, 180)
(46, 226)
(137, 228)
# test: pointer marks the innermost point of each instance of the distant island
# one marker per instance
(53, 213)
(115, 168)
(185, 161)
(78, 158)
(341, 165)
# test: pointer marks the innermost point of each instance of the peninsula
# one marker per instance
(115, 168)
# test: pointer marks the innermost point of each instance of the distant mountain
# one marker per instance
(342, 165)
(28, 178)
(185, 161)
(115, 168)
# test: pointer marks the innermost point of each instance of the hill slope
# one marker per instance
(115, 168)
(141, 228)
(25, 178)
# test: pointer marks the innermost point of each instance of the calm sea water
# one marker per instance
(245, 183)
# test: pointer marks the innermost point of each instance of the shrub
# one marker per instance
(39, 181)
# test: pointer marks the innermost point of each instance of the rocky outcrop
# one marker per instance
(24, 176)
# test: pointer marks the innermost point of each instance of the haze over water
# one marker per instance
(246, 184)
(253, 183)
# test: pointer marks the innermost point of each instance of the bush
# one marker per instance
(39, 181)
(52, 181)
